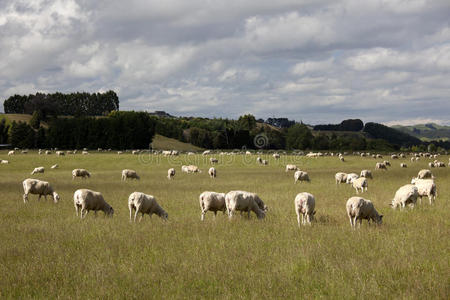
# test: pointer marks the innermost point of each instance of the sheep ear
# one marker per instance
(390, 204)
(381, 216)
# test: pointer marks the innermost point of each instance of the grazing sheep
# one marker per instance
(212, 172)
(425, 187)
(245, 201)
(135, 152)
(439, 164)
(359, 208)
(403, 165)
(48, 152)
(206, 152)
(340, 177)
(276, 155)
(54, 166)
(387, 163)
(5, 162)
(431, 165)
(351, 177)
(394, 156)
(145, 204)
(85, 152)
(259, 160)
(305, 204)
(424, 173)
(12, 152)
(60, 153)
(413, 159)
(38, 170)
(291, 168)
(213, 160)
(171, 173)
(366, 174)
(127, 173)
(38, 187)
(212, 201)
(80, 173)
(341, 158)
(88, 200)
(380, 166)
(301, 176)
(360, 183)
(119, 152)
(166, 153)
(264, 162)
(24, 151)
(405, 195)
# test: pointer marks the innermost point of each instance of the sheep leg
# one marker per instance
(83, 211)
(203, 215)
(298, 219)
(131, 212)
(142, 215)
(135, 215)
(39, 198)
(25, 198)
(351, 220)
(95, 213)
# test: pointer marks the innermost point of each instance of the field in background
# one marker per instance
(47, 252)
(164, 143)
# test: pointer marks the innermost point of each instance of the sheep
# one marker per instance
(174, 153)
(341, 158)
(359, 208)
(351, 177)
(245, 201)
(12, 152)
(38, 187)
(360, 183)
(340, 177)
(301, 176)
(366, 174)
(212, 201)
(431, 165)
(171, 173)
(127, 173)
(80, 173)
(379, 156)
(119, 152)
(394, 156)
(276, 155)
(38, 170)
(24, 151)
(85, 152)
(145, 204)
(380, 166)
(259, 160)
(166, 153)
(88, 200)
(387, 163)
(213, 160)
(206, 152)
(54, 166)
(405, 195)
(413, 159)
(264, 162)
(425, 187)
(60, 153)
(305, 204)
(291, 168)
(403, 165)
(439, 164)
(424, 173)
(135, 152)
(5, 162)
(212, 172)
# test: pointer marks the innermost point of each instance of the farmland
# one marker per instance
(47, 252)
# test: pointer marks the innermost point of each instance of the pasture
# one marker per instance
(47, 252)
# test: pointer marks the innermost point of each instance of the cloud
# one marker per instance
(318, 61)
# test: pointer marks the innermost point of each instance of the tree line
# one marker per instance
(73, 104)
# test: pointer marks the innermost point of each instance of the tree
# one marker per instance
(299, 137)
(247, 122)
(35, 121)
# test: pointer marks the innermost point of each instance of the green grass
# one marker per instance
(164, 143)
(47, 252)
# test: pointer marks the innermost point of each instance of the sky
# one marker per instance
(316, 61)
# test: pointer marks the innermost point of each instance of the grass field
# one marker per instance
(47, 252)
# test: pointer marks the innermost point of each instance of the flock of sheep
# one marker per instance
(357, 208)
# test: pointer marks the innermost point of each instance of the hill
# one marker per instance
(164, 143)
(20, 118)
(426, 132)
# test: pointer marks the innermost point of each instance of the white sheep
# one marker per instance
(38, 187)
(305, 204)
(380, 166)
(88, 200)
(213, 160)
(80, 173)
(291, 168)
(359, 208)
(127, 173)
(60, 153)
(56, 166)
(431, 164)
(38, 170)
(360, 184)
(341, 158)
(366, 174)
(12, 152)
(135, 152)
(424, 173)
(405, 195)
(403, 165)
(259, 160)
(394, 156)
(171, 173)
(212, 201)
(387, 163)
(84, 152)
(351, 177)
(264, 162)
(301, 176)
(340, 177)
(206, 152)
(212, 172)
(119, 152)
(5, 162)
(276, 155)
(245, 201)
(145, 204)
(425, 187)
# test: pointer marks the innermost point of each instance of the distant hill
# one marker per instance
(164, 143)
(426, 132)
